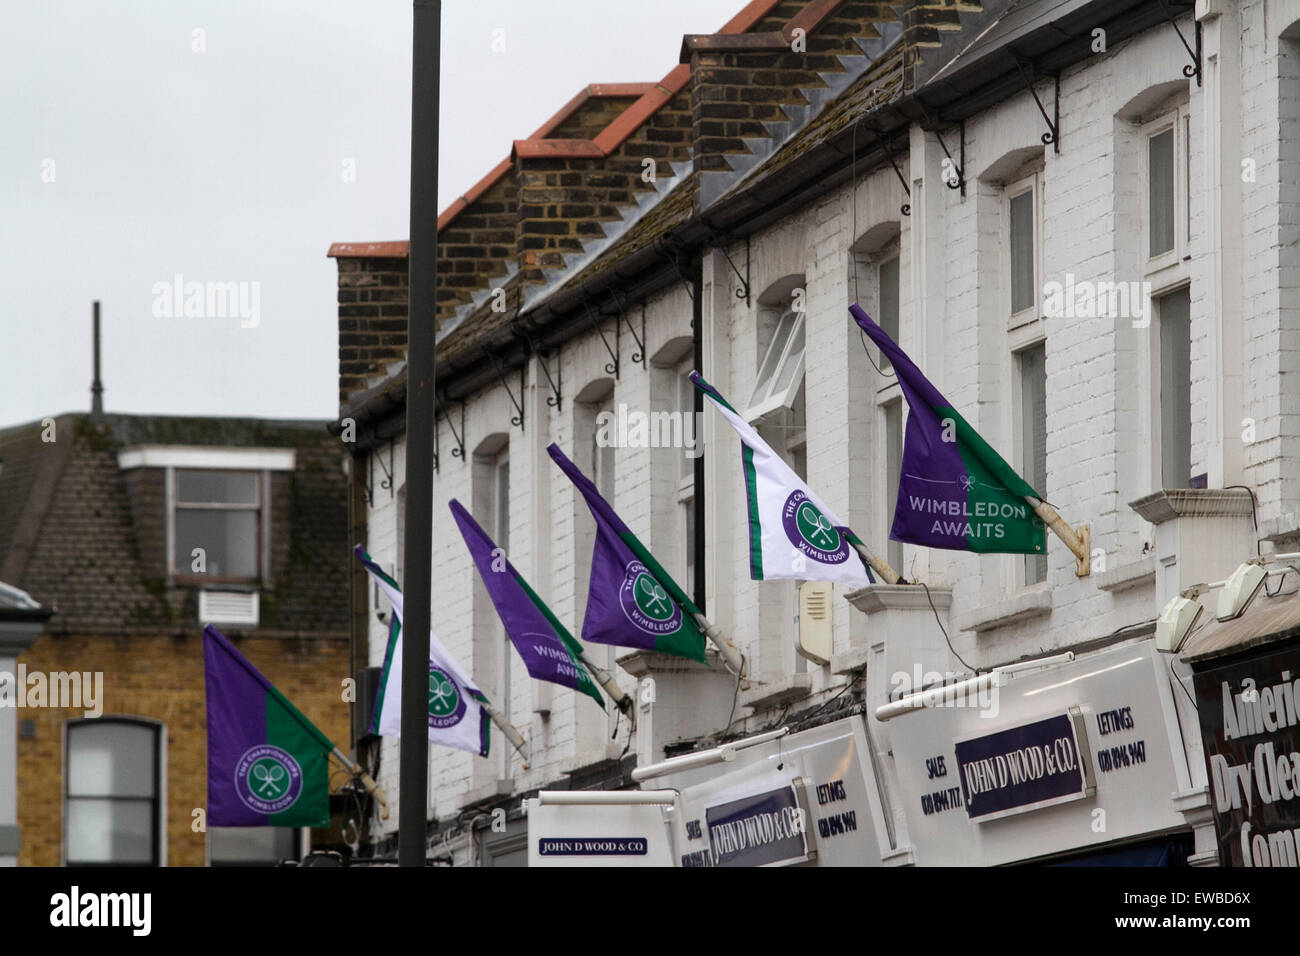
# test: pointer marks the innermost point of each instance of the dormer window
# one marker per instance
(217, 520)
(216, 524)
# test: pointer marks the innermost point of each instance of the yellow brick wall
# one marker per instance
(162, 678)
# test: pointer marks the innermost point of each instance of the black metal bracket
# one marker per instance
(743, 291)
(639, 355)
(555, 399)
(906, 208)
(1053, 135)
(612, 366)
(387, 483)
(1192, 69)
(661, 247)
(501, 377)
(459, 450)
(958, 165)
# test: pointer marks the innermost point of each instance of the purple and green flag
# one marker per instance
(268, 765)
(547, 648)
(954, 490)
(631, 601)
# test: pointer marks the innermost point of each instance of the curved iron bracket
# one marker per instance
(612, 366)
(1053, 135)
(639, 355)
(459, 450)
(517, 419)
(555, 400)
(959, 167)
(1192, 69)
(661, 247)
(743, 291)
(906, 208)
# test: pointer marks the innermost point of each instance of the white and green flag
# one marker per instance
(792, 534)
(457, 717)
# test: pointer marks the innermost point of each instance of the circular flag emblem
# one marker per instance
(811, 532)
(446, 705)
(646, 603)
(268, 779)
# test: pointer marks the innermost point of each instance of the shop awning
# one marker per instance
(1265, 621)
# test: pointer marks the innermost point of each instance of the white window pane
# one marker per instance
(216, 487)
(1022, 252)
(228, 540)
(1160, 187)
(775, 350)
(889, 302)
(250, 844)
(503, 506)
(791, 362)
(1175, 389)
(111, 759)
(893, 466)
(1033, 438)
(110, 831)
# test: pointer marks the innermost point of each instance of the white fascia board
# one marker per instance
(197, 456)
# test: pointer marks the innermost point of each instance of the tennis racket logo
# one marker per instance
(811, 531)
(268, 779)
(446, 703)
(646, 602)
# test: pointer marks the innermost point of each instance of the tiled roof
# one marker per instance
(86, 539)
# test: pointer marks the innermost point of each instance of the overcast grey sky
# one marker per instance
(211, 139)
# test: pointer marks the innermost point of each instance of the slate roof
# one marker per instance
(78, 537)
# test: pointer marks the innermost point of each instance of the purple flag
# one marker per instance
(268, 765)
(954, 490)
(548, 649)
(631, 600)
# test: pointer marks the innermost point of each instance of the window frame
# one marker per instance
(261, 525)
(1032, 182)
(1018, 350)
(1153, 369)
(1177, 120)
(773, 399)
(158, 827)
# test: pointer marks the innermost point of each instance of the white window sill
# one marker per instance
(1135, 574)
(1020, 607)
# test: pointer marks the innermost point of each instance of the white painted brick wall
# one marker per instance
(1099, 393)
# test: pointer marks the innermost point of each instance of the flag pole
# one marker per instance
(367, 781)
(510, 730)
(606, 680)
(735, 660)
(1078, 541)
(879, 565)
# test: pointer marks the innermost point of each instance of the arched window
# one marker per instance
(113, 792)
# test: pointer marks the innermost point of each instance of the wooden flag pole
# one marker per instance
(1078, 541)
(735, 660)
(512, 733)
(886, 573)
(367, 781)
(606, 680)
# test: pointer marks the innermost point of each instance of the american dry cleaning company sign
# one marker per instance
(1026, 767)
(1250, 723)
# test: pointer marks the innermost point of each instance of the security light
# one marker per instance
(1240, 589)
(1176, 622)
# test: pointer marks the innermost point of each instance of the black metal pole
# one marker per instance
(412, 838)
(96, 386)
(697, 330)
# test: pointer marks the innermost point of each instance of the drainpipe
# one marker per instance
(697, 335)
